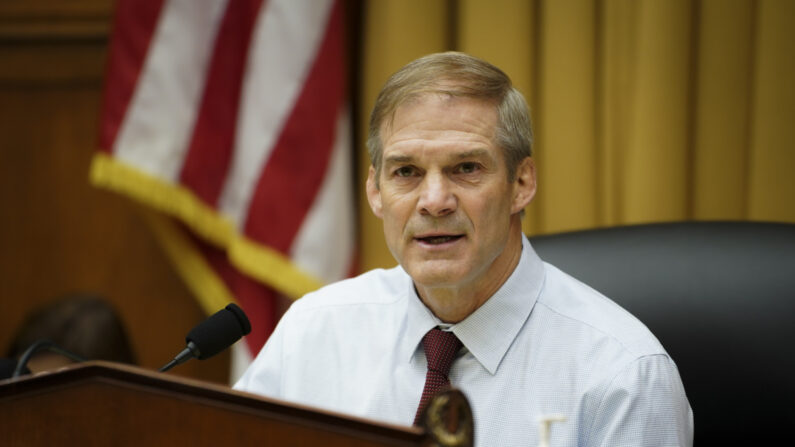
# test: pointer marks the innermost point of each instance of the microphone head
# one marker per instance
(241, 317)
(219, 331)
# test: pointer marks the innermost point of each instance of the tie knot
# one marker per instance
(440, 349)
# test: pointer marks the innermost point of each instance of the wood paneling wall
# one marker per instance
(58, 234)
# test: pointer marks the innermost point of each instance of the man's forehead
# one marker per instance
(422, 101)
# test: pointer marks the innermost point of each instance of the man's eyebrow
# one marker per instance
(399, 159)
(474, 153)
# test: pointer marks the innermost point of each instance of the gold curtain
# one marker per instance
(643, 110)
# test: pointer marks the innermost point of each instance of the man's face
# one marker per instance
(444, 194)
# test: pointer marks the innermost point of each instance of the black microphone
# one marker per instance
(213, 335)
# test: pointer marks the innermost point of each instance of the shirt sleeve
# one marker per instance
(644, 405)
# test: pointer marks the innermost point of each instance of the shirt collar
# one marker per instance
(419, 320)
(489, 331)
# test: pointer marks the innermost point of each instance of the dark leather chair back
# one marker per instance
(720, 297)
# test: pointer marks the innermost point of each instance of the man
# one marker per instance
(450, 146)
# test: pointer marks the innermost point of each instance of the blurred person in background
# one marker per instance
(83, 324)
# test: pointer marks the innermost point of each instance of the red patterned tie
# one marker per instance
(440, 350)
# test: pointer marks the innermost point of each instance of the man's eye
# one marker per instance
(467, 168)
(404, 171)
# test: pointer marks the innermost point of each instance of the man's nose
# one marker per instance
(436, 196)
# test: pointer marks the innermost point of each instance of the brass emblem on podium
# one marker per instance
(448, 419)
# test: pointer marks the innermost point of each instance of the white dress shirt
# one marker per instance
(543, 344)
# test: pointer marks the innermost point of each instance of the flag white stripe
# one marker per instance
(240, 361)
(324, 245)
(285, 42)
(157, 128)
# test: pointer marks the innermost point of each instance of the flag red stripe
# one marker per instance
(134, 24)
(259, 302)
(295, 170)
(210, 151)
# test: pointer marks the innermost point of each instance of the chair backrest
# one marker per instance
(720, 297)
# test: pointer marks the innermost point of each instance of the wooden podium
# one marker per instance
(102, 403)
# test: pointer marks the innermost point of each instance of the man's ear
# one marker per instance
(373, 194)
(524, 185)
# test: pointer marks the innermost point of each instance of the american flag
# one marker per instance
(230, 117)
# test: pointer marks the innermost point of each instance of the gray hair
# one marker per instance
(456, 74)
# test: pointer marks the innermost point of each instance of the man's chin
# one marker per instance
(436, 273)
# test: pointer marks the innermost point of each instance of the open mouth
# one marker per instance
(437, 240)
